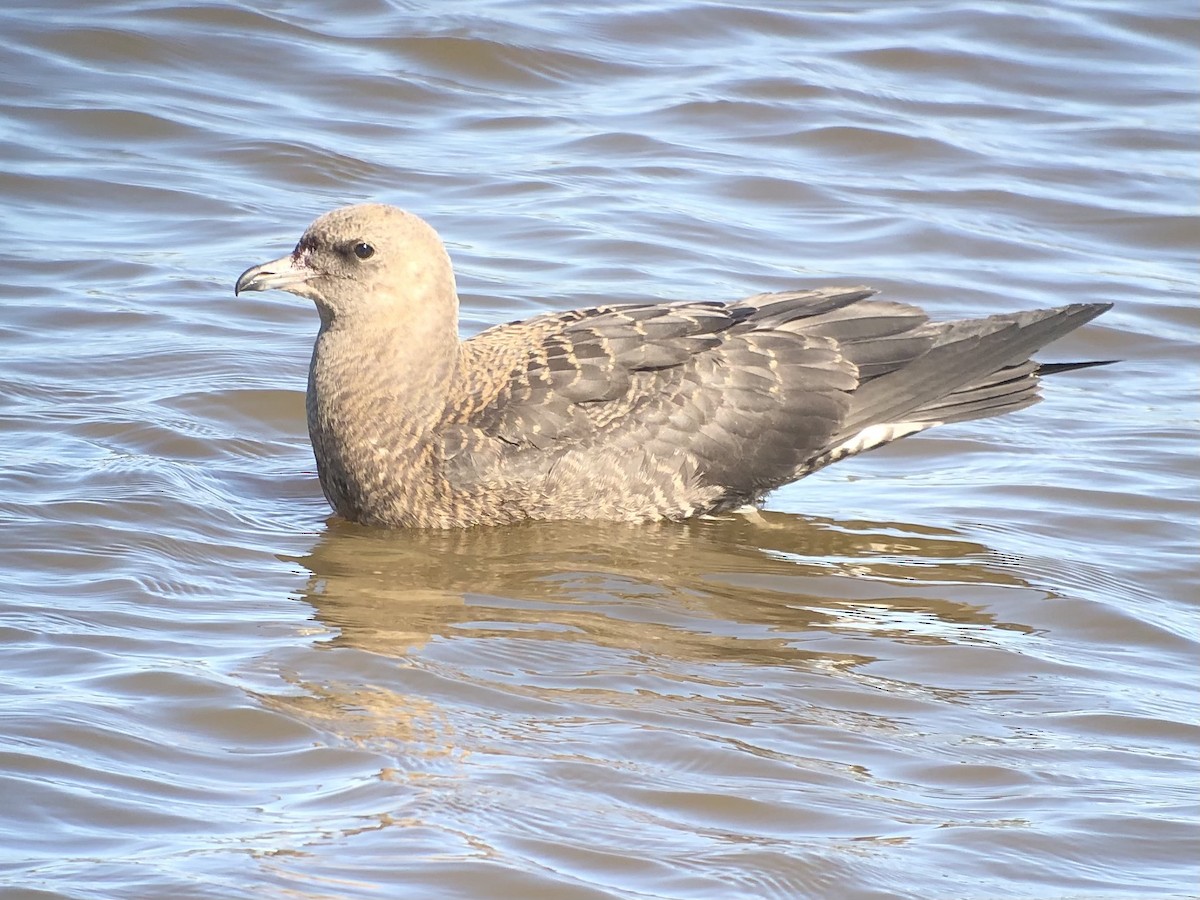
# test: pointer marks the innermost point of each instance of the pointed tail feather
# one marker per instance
(1055, 368)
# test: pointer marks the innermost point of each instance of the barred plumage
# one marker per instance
(631, 412)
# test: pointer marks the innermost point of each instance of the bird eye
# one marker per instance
(363, 250)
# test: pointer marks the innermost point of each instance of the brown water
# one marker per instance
(961, 667)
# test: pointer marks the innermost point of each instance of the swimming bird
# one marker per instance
(633, 412)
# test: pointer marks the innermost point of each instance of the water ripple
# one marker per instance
(961, 667)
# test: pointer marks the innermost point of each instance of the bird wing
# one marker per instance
(744, 392)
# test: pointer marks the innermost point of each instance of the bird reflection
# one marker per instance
(707, 589)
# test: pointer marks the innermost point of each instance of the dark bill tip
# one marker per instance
(250, 280)
(281, 274)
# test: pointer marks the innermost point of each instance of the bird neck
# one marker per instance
(397, 373)
(377, 395)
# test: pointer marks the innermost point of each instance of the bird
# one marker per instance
(633, 412)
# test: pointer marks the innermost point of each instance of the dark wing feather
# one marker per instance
(731, 387)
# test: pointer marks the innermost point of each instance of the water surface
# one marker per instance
(960, 667)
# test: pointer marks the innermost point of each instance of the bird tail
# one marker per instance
(976, 368)
(1055, 368)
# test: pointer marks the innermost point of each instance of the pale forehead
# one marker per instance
(374, 220)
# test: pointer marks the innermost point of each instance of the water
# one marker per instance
(960, 667)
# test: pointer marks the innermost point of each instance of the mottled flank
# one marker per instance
(631, 412)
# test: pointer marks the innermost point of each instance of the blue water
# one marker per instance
(959, 667)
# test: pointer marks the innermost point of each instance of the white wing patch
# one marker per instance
(868, 439)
